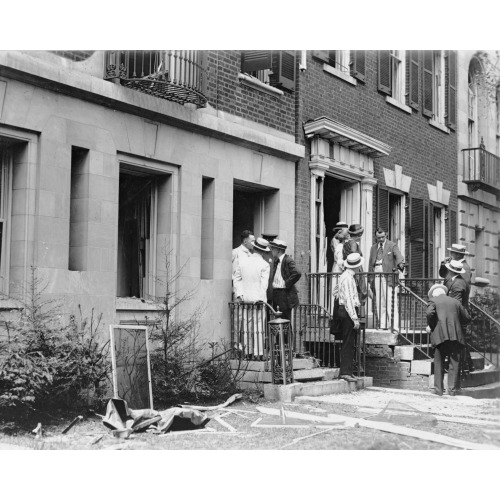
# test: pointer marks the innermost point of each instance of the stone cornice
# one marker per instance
(207, 121)
(348, 137)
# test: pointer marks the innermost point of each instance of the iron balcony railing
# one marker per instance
(311, 334)
(481, 169)
(176, 75)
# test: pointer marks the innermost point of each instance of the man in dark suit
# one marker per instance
(446, 319)
(456, 284)
(457, 252)
(284, 276)
(270, 258)
(385, 257)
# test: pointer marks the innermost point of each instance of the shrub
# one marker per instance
(46, 362)
(484, 334)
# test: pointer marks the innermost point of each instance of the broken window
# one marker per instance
(136, 234)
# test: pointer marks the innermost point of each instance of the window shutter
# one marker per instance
(255, 60)
(451, 113)
(286, 69)
(358, 63)
(453, 227)
(417, 237)
(428, 82)
(383, 209)
(384, 71)
(413, 62)
(429, 240)
(322, 55)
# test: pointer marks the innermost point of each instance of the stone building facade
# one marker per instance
(478, 160)
(119, 170)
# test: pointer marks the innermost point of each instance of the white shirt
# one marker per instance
(348, 293)
(278, 281)
(252, 278)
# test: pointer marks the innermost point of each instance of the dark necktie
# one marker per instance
(379, 252)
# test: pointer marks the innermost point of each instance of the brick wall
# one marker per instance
(226, 93)
(387, 372)
(425, 153)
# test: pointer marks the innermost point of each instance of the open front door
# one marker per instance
(350, 203)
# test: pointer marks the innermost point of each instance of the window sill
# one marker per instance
(256, 84)
(339, 74)
(135, 304)
(8, 304)
(398, 104)
(439, 126)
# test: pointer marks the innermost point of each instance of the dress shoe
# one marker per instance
(435, 392)
(452, 392)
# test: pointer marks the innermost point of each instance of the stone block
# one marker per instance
(422, 366)
(305, 363)
(311, 374)
(381, 337)
(408, 353)
(378, 351)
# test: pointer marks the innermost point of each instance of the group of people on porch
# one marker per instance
(262, 272)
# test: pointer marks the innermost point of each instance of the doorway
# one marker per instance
(341, 201)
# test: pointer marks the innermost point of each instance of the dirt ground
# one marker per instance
(90, 434)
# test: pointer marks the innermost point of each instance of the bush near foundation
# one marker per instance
(484, 335)
(47, 362)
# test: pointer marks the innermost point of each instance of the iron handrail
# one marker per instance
(484, 313)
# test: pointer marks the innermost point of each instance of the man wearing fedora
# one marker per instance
(455, 282)
(284, 276)
(349, 303)
(446, 320)
(250, 282)
(340, 234)
(458, 253)
(270, 258)
(385, 257)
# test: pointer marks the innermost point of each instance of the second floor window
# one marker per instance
(275, 68)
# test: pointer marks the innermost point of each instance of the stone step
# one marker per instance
(287, 393)
(481, 377)
(412, 352)
(426, 366)
(482, 392)
(260, 366)
(262, 377)
(477, 360)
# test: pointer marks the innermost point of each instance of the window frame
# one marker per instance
(438, 88)
(6, 173)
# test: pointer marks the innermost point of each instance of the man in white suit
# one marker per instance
(251, 280)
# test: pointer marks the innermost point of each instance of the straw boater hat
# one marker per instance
(455, 266)
(435, 287)
(340, 225)
(261, 244)
(278, 244)
(455, 247)
(356, 229)
(353, 260)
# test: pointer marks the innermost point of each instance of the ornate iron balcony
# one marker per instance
(175, 75)
(481, 169)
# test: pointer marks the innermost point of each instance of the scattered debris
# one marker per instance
(72, 423)
(328, 429)
(229, 401)
(403, 414)
(97, 439)
(218, 419)
(276, 424)
(304, 416)
(37, 431)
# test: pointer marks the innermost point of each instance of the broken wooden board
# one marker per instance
(229, 401)
(384, 427)
(218, 419)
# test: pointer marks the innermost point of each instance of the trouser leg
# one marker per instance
(439, 355)
(392, 295)
(348, 334)
(454, 368)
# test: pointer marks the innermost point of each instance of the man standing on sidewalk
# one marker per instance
(446, 319)
(349, 304)
(385, 257)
